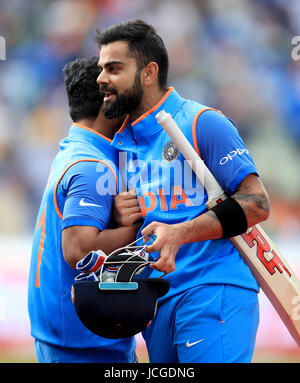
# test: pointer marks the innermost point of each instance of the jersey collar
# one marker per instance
(146, 125)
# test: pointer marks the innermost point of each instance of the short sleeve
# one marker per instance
(223, 150)
(89, 188)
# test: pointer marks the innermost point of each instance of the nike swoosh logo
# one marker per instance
(188, 344)
(82, 203)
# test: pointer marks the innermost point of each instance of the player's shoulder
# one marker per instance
(214, 120)
(88, 171)
(82, 160)
(90, 166)
(204, 118)
(85, 149)
(83, 155)
(202, 111)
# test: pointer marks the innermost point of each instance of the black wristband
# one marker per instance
(232, 217)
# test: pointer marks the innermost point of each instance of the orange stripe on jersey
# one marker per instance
(98, 133)
(124, 124)
(41, 247)
(64, 172)
(194, 128)
(170, 90)
(92, 130)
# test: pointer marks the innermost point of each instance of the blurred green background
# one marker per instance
(233, 55)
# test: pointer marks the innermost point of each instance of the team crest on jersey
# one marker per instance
(170, 151)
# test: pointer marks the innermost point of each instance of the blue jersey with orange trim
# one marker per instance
(80, 190)
(169, 192)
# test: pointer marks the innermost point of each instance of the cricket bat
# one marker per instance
(272, 272)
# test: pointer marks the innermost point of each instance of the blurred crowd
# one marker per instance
(234, 55)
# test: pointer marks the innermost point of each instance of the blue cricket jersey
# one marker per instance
(169, 192)
(80, 190)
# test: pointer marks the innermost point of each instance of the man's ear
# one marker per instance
(149, 73)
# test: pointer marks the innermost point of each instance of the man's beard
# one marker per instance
(125, 103)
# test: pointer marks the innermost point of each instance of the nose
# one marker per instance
(102, 78)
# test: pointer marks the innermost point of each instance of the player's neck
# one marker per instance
(102, 125)
(150, 98)
(107, 127)
(86, 122)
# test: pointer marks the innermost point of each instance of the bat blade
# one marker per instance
(272, 272)
(274, 275)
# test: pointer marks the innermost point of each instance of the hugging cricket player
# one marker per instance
(271, 270)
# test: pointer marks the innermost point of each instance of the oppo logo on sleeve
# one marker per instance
(230, 156)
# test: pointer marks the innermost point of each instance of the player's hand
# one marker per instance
(168, 241)
(126, 209)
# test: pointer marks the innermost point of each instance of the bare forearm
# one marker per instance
(202, 228)
(111, 239)
(253, 201)
(78, 241)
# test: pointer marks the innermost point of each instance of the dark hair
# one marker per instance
(143, 42)
(84, 97)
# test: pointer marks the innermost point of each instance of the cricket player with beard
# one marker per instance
(210, 313)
